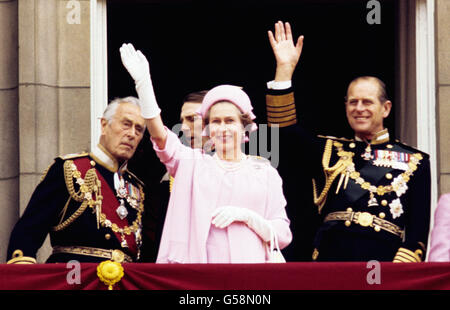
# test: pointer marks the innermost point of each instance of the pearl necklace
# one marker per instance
(230, 165)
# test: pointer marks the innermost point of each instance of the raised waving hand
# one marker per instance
(287, 54)
(138, 67)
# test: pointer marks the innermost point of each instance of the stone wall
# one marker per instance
(45, 96)
(9, 122)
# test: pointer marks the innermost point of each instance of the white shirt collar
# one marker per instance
(104, 158)
(380, 137)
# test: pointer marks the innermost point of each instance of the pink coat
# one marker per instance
(201, 185)
(440, 236)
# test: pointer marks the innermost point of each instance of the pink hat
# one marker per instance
(230, 93)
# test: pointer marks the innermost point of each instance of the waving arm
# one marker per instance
(138, 67)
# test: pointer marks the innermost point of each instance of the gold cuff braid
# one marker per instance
(281, 110)
(407, 256)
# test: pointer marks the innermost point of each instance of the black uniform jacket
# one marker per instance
(373, 221)
(50, 206)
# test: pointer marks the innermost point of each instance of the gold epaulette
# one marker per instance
(336, 138)
(411, 149)
(18, 258)
(74, 155)
(281, 110)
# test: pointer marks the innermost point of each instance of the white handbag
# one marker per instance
(273, 254)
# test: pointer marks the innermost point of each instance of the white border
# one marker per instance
(99, 66)
(426, 90)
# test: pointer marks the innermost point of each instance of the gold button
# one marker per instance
(388, 176)
(107, 236)
(365, 219)
(389, 146)
(384, 203)
(377, 228)
(92, 163)
(382, 215)
(352, 145)
(348, 223)
(117, 256)
(349, 210)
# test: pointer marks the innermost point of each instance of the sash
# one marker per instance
(109, 204)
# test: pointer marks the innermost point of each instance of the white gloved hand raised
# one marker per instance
(137, 66)
(223, 216)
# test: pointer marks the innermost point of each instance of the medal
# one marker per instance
(367, 155)
(372, 201)
(396, 208)
(124, 243)
(122, 192)
(122, 210)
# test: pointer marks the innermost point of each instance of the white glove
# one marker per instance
(139, 69)
(224, 216)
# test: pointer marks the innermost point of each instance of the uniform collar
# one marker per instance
(379, 138)
(104, 158)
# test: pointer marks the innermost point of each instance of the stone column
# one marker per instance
(54, 87)
(443, 90)
(9, 127)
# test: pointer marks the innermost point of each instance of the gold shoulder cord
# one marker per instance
(88, 186)
(331, 172)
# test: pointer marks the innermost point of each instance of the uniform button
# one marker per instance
(348, 223)
(382, 215)
(92, 163)
(388, 176)
(377, 228)
(107, 236)
(384, 203)
(349, 210)
(389, 146)
(352, 145)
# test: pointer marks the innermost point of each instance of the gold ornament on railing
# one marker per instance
(110, 273)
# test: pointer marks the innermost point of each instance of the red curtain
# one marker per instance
(289, 276)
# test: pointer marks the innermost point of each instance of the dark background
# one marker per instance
(196, 45)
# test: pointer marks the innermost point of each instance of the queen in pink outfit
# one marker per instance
(223, 208)
(440, 235)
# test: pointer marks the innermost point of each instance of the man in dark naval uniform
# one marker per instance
(371, 191)
(90, 203)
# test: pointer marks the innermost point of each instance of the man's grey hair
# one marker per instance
(111, 109)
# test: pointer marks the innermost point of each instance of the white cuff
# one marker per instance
(279, 85)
